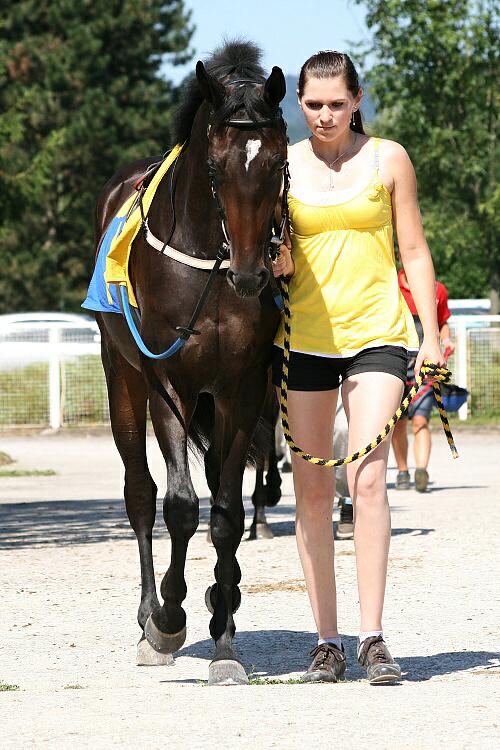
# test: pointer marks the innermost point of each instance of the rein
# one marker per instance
(222, 258)
(429, 369)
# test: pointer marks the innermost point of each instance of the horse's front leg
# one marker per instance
(128, 407)
(237, 416)
(165, 629)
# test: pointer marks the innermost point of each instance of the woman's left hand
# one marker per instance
(431, 351)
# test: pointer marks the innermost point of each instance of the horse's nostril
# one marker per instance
(264, 276)
(247, 284)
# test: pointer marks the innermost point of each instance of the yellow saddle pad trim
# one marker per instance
(116, 271)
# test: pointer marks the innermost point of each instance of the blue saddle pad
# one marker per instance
(97, 298)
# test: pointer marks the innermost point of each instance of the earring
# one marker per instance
(353, 121)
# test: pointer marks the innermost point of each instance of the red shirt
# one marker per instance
(443, 312)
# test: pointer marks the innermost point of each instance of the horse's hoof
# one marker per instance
(260, 531)
(210, 594)
(226, 672)
(164, 643)
(208, 600)
(148, 657)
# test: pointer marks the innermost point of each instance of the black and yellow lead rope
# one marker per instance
(438, 375)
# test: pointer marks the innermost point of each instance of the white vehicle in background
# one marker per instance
(36, 326)
(31, 337)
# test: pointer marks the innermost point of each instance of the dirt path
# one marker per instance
(69, 581)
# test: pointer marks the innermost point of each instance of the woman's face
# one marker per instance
(327, 105)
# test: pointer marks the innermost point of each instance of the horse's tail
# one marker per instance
(202, 425)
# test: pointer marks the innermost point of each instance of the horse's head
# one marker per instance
(247, 149)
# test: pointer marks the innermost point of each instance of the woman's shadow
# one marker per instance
(268, 653)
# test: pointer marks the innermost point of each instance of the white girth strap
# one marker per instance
(188, 260)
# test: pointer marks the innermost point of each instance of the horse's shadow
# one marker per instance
(66, 522)
(268, 653)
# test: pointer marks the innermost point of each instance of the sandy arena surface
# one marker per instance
(70, 591)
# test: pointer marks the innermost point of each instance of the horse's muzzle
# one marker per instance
(247, 284)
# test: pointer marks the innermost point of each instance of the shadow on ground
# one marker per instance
(268, 653)
(65, 522)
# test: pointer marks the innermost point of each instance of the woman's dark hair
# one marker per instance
(329, 65)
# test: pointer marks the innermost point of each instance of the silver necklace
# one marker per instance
(331, 164)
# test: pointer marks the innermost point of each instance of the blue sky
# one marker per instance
(288, 31)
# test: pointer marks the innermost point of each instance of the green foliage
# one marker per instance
(433, 72)
(80, 94)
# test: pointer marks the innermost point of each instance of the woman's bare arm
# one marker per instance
(413, 248)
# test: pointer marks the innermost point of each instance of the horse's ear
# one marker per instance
(212, 89)
(275, 87)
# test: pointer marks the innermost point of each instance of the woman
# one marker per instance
(349, 326)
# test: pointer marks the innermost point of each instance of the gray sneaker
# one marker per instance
(374, 656)
(421, 480)
(403, 480)
(328, 664)
(345, 525)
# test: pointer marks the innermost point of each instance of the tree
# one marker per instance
(80, 94)
(435, 81)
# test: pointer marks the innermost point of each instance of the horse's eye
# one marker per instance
(278, 162)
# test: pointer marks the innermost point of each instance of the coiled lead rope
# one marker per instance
(429, 369)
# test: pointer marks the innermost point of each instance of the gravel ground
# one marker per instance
(70, 584)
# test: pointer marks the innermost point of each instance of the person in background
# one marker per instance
(420, 410)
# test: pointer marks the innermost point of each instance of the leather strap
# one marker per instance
(188, 260)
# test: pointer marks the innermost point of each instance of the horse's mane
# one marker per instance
(238, 59)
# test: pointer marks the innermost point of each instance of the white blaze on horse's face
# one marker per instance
(252, 148)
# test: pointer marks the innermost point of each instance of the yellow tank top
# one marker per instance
(344, 294)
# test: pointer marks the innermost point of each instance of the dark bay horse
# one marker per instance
(213, 389)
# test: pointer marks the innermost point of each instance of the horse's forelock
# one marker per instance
(247, 99)
(234, 59)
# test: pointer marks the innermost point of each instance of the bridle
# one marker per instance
(276, 238)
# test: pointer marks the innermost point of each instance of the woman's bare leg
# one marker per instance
(311, 418)
(370, 399)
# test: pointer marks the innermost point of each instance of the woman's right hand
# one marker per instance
(283, 265)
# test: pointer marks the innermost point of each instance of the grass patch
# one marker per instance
(74, 687)
(5, 459)
(5, 687)
(27, 473)
(273, 681)
(24, 393)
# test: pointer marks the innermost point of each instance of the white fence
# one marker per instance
(51, 373)
(476, 362)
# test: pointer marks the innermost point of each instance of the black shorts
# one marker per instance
(312, 372)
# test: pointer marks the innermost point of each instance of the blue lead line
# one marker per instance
(178, 344)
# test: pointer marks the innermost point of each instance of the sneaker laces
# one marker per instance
(323, 650)
(376, 646)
